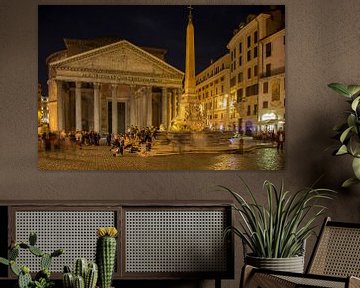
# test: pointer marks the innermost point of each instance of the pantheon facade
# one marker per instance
(106, 86)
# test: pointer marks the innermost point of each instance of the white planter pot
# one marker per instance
(291, 264)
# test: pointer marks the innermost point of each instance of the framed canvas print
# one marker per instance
(155, 87)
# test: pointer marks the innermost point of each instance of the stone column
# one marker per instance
(78, 114)
(164, 113)
(132, 106)
(177, 102)
(137, 109)
(114, 108)
(143, 110)
(149, 106)
(60, 105)
(170, 116)
(96, 107)
(174, 103)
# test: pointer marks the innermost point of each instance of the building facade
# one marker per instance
(43, 109)
(107, 86)
(272, 83)
(247, 63)
(213, 90)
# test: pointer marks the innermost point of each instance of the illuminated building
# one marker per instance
(107, 85)
(247, 62)
(43, 109)
(213, 91)
(272, 83)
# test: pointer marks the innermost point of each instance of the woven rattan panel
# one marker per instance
(74, 231)
(175, 241)
(312, 282)
(338, 253)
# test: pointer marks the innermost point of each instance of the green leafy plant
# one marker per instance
(349, 132)
(279, 229)
(42, 278)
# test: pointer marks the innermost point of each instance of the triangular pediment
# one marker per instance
(119, 57)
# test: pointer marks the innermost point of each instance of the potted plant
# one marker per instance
(276, 233)
(42, 278)
(349, 132)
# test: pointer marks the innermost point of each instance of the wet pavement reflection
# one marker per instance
(99, 158)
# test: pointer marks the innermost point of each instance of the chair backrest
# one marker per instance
(337, 251)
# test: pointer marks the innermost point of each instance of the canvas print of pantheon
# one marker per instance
(135, 87)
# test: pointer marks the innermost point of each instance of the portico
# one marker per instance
(110, 88)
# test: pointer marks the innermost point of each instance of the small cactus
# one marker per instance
(81, 266)
(43, 274)
(13, 253)
(42, 278)
(4, 261)
(45, 261)
(79, 282)
(91, 276)
(83, 274)
(14, 268)
(32, 239)
(57, 252)
(36, 251)
(68, 280)
(24, 280)
(67, 269)
(106, 254)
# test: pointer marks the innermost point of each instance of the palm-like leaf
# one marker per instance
(280, 228)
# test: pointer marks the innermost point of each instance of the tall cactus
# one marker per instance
(106, 254)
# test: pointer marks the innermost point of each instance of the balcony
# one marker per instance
(273, 72)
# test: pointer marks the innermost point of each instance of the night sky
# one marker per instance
(157, 26)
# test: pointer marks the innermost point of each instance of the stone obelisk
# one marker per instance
(190, 58)
(190, 113)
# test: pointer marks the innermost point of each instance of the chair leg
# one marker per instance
(250, 278)
(246, 273)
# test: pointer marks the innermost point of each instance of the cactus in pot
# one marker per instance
(106, 254)
(85, 275)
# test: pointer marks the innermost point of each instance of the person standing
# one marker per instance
(280, 139)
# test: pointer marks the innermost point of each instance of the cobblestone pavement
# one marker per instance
(100, 158)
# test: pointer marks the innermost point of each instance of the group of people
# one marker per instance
(50, 141)
(273, 136)
(135, 140)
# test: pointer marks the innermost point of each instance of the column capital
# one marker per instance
(114, 86)
(78, 84)
(96, 85)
